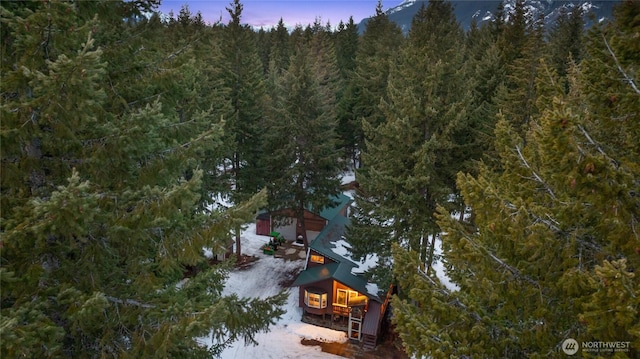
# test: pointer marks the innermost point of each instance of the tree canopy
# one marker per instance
(514, 145)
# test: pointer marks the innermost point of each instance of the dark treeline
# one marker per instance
(514, 145)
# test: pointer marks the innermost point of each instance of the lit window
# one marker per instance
(315, 300)
(341, 298)
(344, 297)
(317, 259)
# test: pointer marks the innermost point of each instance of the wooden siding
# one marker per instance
(312, 221)
(263, 227)
(326, 285)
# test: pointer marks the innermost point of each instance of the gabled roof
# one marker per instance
(341, 270)
(331, 212)
(332, 232)
(316, 274)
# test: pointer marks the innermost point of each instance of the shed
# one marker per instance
(263, 223)
(315, 220)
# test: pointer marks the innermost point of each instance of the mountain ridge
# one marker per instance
(484, 10)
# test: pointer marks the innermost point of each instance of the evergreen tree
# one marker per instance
(565, 39)
(303, 162)
(486, 75)
(100, 188)
(244, 78)
(280, 49)
(201, 90)
(346, 40)
(516, 97)
(378, 45)
(263, 42)
(552, 251)
(412, 157)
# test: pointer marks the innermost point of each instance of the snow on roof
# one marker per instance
(343, 249)
(372, 288)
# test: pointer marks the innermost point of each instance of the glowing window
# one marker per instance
(317, 258)
(315, 300)
(345, 296)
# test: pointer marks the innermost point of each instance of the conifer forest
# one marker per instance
(515, 143)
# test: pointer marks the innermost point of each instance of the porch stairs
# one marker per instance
(368, 342)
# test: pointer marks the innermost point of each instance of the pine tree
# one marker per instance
(244, 78)
(412, 157)
(565, 40)
(304, 160)
(263, 40)
(280, 49)
(346, 39)
(551, 252)
(378, 45)
(100, 188)
(486, 75)
(609, 88)
(524, 36)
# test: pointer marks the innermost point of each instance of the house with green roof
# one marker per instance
(333, 291)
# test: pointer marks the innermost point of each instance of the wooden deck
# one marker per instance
(338, 323)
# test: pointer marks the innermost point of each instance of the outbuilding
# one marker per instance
(284, 220)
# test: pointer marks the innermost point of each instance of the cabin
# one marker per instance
(315, 220)
(332, 292)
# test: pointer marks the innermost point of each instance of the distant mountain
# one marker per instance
(484, 10)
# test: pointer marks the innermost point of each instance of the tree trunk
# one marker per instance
(302, 230)
(236, 171)
(431, 253)
(238, 244)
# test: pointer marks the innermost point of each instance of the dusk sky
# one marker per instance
(267, 13)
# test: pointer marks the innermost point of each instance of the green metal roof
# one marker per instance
(330, 213)
(342, 269)
(340, 272)
(332, 232)
(354, 281)
(316, 274)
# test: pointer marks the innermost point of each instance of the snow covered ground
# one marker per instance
(283, 341)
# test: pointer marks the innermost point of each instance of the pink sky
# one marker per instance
(266, 13)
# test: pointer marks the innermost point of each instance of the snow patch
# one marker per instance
(220, 203)
(347, 177)
(405, 4)
(373, 289)
(440, 270)
(342, 248)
